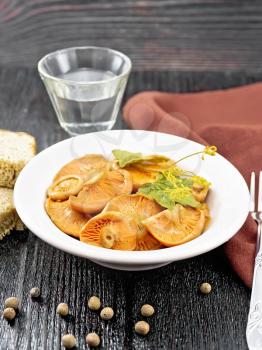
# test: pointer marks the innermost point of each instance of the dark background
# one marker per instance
(175, 46)
(157, 35)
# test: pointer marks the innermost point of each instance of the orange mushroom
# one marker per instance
(65, 187)
(146, 171)
(137, 207)
(110, 230)
(140, 177)
(66, 219)
(93, 197)
(200, 192)
(177, 226)
(84, 167)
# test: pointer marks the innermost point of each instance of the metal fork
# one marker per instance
(254, 324)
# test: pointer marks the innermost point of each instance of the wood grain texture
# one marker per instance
(184, 319)
(157, 35)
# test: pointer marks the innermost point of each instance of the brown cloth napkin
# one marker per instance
(230, 119)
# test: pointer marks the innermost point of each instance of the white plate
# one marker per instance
(228, 199)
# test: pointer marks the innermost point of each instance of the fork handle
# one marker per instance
(259, 231)
(254, 324)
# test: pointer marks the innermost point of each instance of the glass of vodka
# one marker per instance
(86, 86)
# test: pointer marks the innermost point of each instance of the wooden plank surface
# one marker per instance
(157, 35)
(175, 45)
(184, 319)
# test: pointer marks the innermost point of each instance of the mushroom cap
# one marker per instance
(94, 197)
(65, 218)
(147, 170)
(177, 226)
(137, 207)
(110, 230)
(84, 166)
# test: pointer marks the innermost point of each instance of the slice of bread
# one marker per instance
(16, 149)
(9, 220)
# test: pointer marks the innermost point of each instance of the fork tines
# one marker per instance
(259, 207)
(252, 207)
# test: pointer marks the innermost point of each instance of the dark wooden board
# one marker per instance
(157, 35)
(184, 319)
(175, 45)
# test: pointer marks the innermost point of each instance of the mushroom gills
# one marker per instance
(110, 230)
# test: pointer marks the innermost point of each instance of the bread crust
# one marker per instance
(9, 219)
(9, 170)
(10, 167)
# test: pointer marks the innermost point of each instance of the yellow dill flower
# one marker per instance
(210, 150)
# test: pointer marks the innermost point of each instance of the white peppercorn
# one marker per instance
(205, 288)
(9, 313)
(142, 328)
(12, 302)
(35, 292)
(69, 341)
(107, 313)
(93, 339)
(147, 310)
(94, 303)
(62, 309)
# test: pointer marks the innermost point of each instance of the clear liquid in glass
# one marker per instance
(80, 113)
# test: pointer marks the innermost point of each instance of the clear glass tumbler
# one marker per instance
(86, 86)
